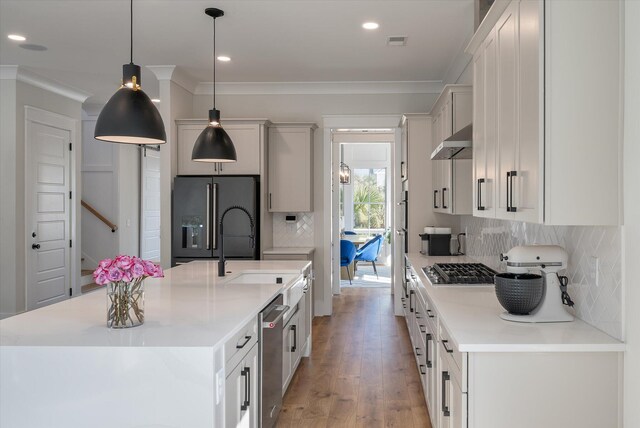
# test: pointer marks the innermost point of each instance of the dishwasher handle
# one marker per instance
(274, 316)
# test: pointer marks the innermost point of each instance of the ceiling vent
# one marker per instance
(396, 40)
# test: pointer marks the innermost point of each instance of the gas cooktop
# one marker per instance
(459, 274)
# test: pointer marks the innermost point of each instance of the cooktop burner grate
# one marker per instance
(460, 273)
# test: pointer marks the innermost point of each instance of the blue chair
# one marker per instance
(349, 232)
(347, 254)
(369, 252)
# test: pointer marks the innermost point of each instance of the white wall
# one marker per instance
(8, 189)
(631, 230)
(12, 260)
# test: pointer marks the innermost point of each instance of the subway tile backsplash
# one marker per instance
(297, 234)
(597, 301)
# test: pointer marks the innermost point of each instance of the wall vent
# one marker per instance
(396, 40)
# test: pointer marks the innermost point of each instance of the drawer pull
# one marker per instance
(242, 345)
(428, 338)
(423, 370)
(430, 314)
(445, 408)
(423, 329)
(446, 348)
(418, 354)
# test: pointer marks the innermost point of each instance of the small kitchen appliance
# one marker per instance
(547, 260)
(436, 241)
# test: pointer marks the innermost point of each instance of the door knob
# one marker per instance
(36, 246)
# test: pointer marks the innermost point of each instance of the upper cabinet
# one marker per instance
(451, 179)
(546, 112)
(248, 136)
(290, 174)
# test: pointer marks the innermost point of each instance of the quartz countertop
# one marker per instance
(289, 250)
(190, 307)
(471, 316)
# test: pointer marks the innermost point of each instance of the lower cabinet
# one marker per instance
(451, 408)
(291, 349)
(241, 392)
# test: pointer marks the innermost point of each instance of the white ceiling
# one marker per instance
(267, 40)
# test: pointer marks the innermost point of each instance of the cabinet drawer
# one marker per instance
(236, 348)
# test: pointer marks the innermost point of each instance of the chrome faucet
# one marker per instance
(251, 236)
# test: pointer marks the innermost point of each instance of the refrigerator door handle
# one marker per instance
(215, 216)
(208, 216)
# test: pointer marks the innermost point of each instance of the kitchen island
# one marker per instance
(61, 366)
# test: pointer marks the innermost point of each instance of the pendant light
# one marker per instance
(130, 117)
(345, 173)
(213, 143)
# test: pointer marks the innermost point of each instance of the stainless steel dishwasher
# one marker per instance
(271, 361)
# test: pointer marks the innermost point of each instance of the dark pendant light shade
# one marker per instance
(213, 143)
(130, 117)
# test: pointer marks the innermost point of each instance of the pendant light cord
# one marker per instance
(131, 30)
(214, 63)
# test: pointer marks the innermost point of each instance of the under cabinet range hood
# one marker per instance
(458, 146)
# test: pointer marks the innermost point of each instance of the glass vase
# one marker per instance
(125, 304)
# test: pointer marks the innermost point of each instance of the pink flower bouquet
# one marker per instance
(123, 277)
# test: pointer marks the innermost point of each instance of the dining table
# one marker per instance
(357, 240)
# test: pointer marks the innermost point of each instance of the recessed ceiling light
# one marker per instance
(17, 37)
(155, 100)
(224, 58)
(370, 25)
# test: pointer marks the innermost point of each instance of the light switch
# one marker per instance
(594, 270)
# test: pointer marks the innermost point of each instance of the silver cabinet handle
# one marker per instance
(208, 215)
(215, 216)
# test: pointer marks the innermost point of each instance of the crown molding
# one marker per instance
(320, 88)
(385, 121)
(174, 74)
(19, 73)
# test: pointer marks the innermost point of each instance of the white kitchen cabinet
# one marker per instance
(291, 167)
(418, 131)
(552, 133)
(241, 392)
(248, 136)
(451, 179)
(498, 388)
(291, 350)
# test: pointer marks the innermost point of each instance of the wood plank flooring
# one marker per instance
(361, 372)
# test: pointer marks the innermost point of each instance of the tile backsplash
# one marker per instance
(598, 301)
(296, 234)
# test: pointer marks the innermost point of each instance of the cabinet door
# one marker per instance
(234, 394)
(446, 172)
(246, 139)
(436, 169)
(462, 110)
(290, 169)
(287, 341)
(507, 105)
(479, 143)
(528, 189)
(252, 367)
(187, 136)
(452, 403)
(296, 347)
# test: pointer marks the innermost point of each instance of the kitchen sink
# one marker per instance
(263, 278)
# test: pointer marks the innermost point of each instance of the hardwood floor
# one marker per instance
(361, 372)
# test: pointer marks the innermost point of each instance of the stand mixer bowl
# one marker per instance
(519, 293)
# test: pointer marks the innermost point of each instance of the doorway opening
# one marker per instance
(365, 214)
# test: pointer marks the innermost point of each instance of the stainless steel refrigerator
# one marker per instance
(198, 203)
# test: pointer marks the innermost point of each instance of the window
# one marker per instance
(369, 198)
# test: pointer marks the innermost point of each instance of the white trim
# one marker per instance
(174, 74)
(16, 72)
(485, 27)
(381, 121)
(320, 88)
(37, 115)
(330, 176)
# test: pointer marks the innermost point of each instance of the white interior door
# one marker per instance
(48, 214)
(150, 209)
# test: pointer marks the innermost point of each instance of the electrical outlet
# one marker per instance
(594, 270)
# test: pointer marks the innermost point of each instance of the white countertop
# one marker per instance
(189, 307)
(289, 250)
(471, 316)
